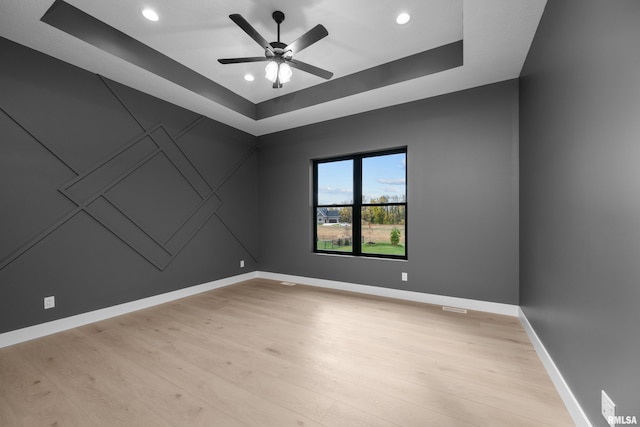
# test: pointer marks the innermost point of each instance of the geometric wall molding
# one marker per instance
(92, 192)
(110, 195)
(148, 194)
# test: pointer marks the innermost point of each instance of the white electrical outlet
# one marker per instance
(608, 409)
(49, 302)
(404, 277)
(242, 264)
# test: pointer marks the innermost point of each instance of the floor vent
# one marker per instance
(288, 283)
(455, 309)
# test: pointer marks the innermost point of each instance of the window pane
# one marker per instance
(384, 230)
(375, 223)
(384, 178)
(334, 229)
(335, 183)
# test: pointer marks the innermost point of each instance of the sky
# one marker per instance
(381, 175)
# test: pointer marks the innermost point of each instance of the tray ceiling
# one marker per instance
(376, 62)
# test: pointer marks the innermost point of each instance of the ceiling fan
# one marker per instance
(278, 54)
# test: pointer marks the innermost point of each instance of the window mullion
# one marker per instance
(357, 206)
(314, 213)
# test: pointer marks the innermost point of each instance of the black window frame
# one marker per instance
(358, 204)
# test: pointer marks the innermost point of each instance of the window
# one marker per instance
(360, 204)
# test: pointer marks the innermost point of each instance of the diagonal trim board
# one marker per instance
(94, 197)
(89, 191)
(33, 332)
(77, 23)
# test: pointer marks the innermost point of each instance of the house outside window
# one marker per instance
(360, 204)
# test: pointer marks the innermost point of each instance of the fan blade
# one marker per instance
(307, 39)
(242, 23)
(240, 60)
(310, 69)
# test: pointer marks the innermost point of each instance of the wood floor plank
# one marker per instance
(391, 353)
(175, 402)
(213, 364)
(107, 399)
(545, 411)
(154, 359)
(372, 399)
(262, 354)
(341, 415)
(28, 397)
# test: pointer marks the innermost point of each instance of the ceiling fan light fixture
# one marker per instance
(271, 71)
(284, 73)
(150, 14)
(275, 71)
(403, 18)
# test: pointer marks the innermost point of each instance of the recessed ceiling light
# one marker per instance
(150, 14)
(249, 77)
(403, 18)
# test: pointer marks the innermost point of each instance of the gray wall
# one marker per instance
(462, 194)
(110, 195)
(580, 197)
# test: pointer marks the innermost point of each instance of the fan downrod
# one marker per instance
(279, 18)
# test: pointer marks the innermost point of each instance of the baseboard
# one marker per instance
(37, 331)
(574, 408)
(48, 328)
(469, 304)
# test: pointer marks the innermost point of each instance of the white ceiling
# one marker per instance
(497, 35)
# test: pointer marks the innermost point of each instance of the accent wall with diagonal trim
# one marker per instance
(110, 195)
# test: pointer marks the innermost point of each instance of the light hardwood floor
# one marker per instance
(260, 353)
